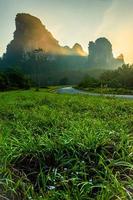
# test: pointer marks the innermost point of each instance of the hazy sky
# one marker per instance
(72, 21)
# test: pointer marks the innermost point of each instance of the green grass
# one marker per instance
(65, 147)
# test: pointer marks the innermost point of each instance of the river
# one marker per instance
(71, 90)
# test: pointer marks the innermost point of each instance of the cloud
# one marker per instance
(118, 27)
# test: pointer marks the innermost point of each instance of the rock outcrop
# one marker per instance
(78, 50)
(31, 34)
(120, 58)
(101, 54)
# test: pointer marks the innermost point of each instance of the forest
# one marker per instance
(121, 78)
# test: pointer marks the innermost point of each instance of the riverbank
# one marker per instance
(115, 91)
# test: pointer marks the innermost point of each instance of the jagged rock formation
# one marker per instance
(101, 50)
(40, 55)
(120, 58)
(101, 55)
(31, 34)
(78, 50)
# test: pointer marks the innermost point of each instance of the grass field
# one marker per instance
(65, 147)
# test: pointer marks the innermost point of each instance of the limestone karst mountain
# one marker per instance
(101, 54)
(31, 34)
(35, 50)
(77, 49)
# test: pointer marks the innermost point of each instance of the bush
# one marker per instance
(89, 82)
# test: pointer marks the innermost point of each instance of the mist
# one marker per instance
(117, 25)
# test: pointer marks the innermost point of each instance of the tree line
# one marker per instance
(14, 78)
(119, 78)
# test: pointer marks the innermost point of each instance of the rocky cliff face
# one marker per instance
(101, 54)
(31, 34)
(100, 51)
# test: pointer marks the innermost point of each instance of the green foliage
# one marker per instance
(90, 82)
(120, 78)
(119, 81)
(65, 147)
(14, 78)
(46, 69)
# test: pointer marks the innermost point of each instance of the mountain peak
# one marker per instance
(121, 57)
(31, 34)
(77, 49)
